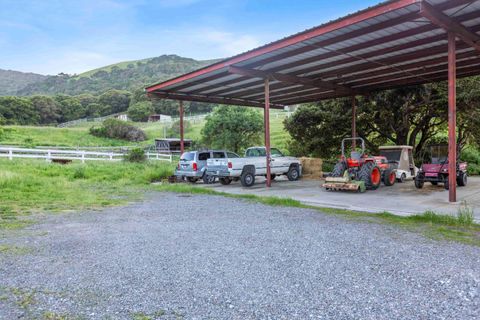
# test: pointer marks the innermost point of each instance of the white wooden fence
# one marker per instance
(82, 155)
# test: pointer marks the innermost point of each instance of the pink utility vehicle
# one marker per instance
(437, 171)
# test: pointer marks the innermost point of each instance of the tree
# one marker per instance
(232, 128)
(15, 110)
(410, 115)
(71, 108)
(47, 108)
(117, 100)
(140, 111)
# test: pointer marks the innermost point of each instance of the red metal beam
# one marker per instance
(267, 131)
(354, 122)
(219, 100)
(182, 144)
(440, 19)
(314, 83)
(410, 67)
(452, 119)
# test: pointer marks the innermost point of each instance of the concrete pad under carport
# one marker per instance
(401, 199)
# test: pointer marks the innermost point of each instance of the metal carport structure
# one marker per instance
(393, 44)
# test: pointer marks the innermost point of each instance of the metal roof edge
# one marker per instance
(330, 26)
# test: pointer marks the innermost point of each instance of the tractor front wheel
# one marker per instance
(389, 177)
(370, 174)
(339, 169)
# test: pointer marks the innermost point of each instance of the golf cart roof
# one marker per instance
(394, 147)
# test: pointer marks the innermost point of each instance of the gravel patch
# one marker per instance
(208, 257)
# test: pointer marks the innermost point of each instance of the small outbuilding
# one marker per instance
(171, 145)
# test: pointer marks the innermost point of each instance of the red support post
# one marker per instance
(267, 130)
(182, 144)
(452, 119)
(354, 122)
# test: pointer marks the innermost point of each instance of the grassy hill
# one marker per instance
(128, 75)
(13, 81)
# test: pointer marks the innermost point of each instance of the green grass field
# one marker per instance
(34, 186)
(78, 136)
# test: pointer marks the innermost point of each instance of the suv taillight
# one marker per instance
(230, 165)
(194, 166)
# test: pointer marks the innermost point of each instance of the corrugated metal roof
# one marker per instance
(380, 47)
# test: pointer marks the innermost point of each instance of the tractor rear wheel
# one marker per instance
(339, 169)
(371, 175)
(389, 177)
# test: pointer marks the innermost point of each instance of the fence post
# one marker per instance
(10, 154)
(111, 156)
(49, 156)
(83, 156)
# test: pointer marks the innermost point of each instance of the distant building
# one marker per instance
(122, 117)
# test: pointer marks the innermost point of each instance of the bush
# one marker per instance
(136, 155)
(117, 129)
(140, 111)
(79, 173)
(472, 157)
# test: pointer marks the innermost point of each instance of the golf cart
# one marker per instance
(436, 171)
(401, 157)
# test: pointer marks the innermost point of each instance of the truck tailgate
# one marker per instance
(217, 164)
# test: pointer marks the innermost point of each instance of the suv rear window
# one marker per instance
(203, 156)
(188, 156)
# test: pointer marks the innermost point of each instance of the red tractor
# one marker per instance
(372, 170)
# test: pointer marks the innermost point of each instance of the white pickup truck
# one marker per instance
(254, 164)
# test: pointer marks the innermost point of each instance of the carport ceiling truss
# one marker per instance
(396, 43)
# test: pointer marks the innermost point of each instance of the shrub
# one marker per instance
(465, 214)
(135, 155)
(79, 173)
(117, 129)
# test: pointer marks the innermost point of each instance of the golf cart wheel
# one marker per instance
(370, 174)
(389, 177)
(247, 179)
(434, 183)
(419, 181)
(225, 181)
(462, 179)
(339, 169)
(192, 179)
(208, 179)
(293, 173)
(402, 178)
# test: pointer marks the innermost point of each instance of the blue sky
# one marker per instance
(73, 36)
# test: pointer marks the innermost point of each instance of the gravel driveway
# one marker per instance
(208, 257)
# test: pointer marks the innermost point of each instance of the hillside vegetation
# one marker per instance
(130, 75)
(13, 81)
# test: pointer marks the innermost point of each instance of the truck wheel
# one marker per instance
(419, 181)
(389, 177)
(402, 178)
(293, 173)
(192, 179)
(462, 179)
(371, 175)
(247, 179)
(339, 169)
(434, 183)
(208, 179)
(225, 181)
